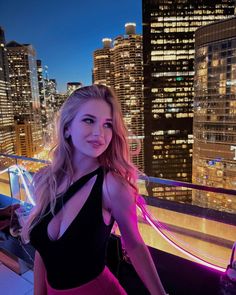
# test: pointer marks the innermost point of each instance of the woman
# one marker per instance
(90, 184)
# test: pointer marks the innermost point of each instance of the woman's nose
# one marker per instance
(97, 130)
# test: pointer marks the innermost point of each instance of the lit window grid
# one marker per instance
(25, 96)
(7, 133)
(163, 30)
(214, 120)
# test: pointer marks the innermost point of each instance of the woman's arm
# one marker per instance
(123, 208)
(145, 267)
(39, 276)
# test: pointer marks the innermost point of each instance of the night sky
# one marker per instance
(65, 33)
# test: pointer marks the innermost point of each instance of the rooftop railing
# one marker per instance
(195, 230)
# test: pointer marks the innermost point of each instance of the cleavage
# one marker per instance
(61, 222)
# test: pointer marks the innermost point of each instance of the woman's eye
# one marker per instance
(88, 120)
(108, 125)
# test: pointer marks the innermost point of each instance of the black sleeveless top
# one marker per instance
(78, 256)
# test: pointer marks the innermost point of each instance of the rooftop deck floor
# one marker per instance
(13, 284)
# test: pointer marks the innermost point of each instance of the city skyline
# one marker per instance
(175, 81)
(167, 110)
(64, 35)
(168, 60)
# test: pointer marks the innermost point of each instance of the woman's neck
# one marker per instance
(82, 166)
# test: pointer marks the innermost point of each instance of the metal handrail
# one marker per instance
(24, 158)
(156, 224)
(149, 178)
(188, 185)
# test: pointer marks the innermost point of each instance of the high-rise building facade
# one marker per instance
(168, 41)
(214, 124)
(103, 70)
(121, 68)
(60, 98)
(47, 95)
(41, 86)
(7, 131)
(50, 87)
(72, 86)
(25, 98)
(128, 81)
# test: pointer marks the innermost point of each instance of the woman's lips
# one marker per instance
(95, 143)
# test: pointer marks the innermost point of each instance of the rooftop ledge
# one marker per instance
(185, 235)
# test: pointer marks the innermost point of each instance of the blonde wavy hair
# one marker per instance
(116, 158)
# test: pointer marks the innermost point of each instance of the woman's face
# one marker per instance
(91, 129)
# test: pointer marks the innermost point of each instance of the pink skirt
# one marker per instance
(104, 284)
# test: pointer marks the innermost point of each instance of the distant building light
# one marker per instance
(233, 148)
(179, 78)
(130, 24)
(106, 39)
(218, 159)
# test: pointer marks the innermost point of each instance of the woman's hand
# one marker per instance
(6, 215)
(8, 211)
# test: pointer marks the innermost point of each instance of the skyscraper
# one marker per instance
(42, 96)
(121, 67)
(103, 70)
(168, 40)
(47, 95)
(214, 129)
(60, 98)
(25, 98)
(50, 88)
(71, 86)
(7, 131)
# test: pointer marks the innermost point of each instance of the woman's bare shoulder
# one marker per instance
(117, 190)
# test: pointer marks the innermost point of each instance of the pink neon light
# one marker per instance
(180, 243)
(152, 222)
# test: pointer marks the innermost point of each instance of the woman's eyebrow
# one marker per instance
(94, 117)
(88, 115)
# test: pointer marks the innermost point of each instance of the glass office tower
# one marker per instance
(214, 124)
(168, 52)
(25, 97)
(7, 131)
